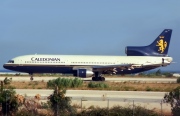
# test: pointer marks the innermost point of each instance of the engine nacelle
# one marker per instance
(138, 51)
(83, 73)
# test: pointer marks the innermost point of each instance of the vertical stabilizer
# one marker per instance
(161, 44)
(159, 47)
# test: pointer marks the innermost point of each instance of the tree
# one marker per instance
(158, 72)
(61, 104)
(9, 101)
(173, 98)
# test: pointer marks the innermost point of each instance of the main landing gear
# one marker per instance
(98, 77)
(31, 76)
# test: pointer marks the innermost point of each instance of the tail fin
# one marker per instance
(161, 44)
(159, 47)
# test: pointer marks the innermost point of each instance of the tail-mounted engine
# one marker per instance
(138, 51)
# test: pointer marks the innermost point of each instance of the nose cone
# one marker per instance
(8, 66)
(5, 66)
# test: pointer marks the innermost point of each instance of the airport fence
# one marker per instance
(85, 104)
(163, 109)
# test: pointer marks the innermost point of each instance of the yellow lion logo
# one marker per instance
(162, 44)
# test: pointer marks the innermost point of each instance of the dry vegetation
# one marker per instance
(28, 85)
(116, 86)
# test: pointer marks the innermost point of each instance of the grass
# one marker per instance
(114, 86)
(27, 85)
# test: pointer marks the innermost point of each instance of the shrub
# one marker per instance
(118, 111)
(64, 83)
(126, 88)
(173, 99)
(76, 82)
(7, 81)
(36, 83)
(158, 72)
(178, 80)
(97, 85)
(9, 101)
(167, 74)
(60, 103)
(148, 88)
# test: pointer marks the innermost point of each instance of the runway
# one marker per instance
(98, 95)
(112, 79)
(88, 98)
(101, 98)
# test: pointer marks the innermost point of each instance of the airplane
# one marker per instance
(138, 59)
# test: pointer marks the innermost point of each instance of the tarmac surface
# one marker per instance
(112, 79)
(87, 98)
(99, 95)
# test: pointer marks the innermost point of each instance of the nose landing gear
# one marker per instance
(31, 76)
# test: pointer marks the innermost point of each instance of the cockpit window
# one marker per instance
(11, 61)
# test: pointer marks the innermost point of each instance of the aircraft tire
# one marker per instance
(102, 79)
(31, 78)
(93, 78)
(98, 79)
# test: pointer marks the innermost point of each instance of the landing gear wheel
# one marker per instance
(102, 79)
(98, 79)
(31, 78)
(93, 78)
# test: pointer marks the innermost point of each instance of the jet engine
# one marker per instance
(138, 51)
(83, 73)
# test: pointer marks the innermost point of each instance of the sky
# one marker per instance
(85, 27)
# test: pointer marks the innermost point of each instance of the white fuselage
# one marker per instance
(83, 61)
(86, 60)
